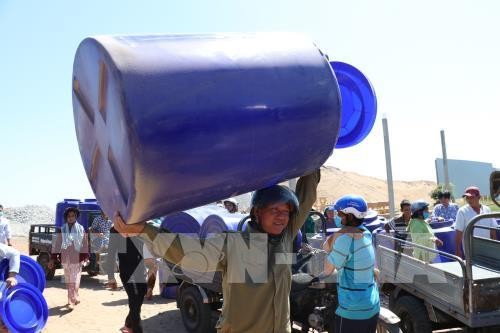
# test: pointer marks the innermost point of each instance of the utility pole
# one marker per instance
(445, 163)
(388, 167)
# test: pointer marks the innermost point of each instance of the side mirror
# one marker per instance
(495, 187)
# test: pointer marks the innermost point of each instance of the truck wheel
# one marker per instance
(413, 315)
(43, 260)
(196, 316)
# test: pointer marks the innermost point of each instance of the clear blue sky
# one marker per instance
(435, 64)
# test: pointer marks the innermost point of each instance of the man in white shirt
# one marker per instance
(4, 229)
(466, 213)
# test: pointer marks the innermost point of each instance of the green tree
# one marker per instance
(440, 188)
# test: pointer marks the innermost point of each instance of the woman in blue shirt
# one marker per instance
(352, 254)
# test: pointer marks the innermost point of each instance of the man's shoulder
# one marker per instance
(464, 208)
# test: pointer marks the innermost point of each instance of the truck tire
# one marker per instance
(43, 260)
(196, 315)
(413, 315)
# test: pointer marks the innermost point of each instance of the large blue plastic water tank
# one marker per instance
(167, 123)
(89, 209)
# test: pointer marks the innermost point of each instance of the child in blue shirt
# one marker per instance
(351, 253)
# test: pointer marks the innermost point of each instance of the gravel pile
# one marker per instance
(22, 217)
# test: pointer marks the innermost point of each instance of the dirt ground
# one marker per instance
(102, 310)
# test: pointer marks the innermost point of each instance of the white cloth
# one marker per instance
(4, 230)
(466, 213)
(73, 236)
(12, 255)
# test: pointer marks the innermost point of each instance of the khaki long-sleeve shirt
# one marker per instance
(256, 269)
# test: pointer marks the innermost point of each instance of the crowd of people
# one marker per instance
(279, 214)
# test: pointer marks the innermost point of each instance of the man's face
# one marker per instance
(473, 201)
(230, 206)
(274, 218)
(406, 210)
(330, 214)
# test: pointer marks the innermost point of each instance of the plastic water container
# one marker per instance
(383, 241)
(170, 122)
(30, 272)
(219, 222)
(23, 308)
(371, 221)
(436, 224)
(498, 231)
(447, 235)
(169, 292)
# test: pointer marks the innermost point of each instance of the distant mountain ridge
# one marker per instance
(335, 183)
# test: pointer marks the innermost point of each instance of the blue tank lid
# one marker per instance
(90, 200)
(23, 308)
(30, 272)
(359, 104)
(71, 200)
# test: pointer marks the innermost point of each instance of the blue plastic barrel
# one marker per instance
(436, 224)
(23, 308)
(181, 222)
(169, 292)
(498, 231)
(447, 235)
(220, 222)
(371, 221)
(383, 241)
(30, 272)
(170, 122)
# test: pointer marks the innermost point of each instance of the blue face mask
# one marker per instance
(426, 215)
(338, 221)
(1, 213)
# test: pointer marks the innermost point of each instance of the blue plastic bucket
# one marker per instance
(23, 308)
(359, 104)
(30, 272)
(169, 292)
(436, 224)
(170, 122)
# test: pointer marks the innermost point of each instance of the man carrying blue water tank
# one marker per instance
(466, 213)
(251, 302)
(14, 257)
(351, 253)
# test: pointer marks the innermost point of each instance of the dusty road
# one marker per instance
(102, 310)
